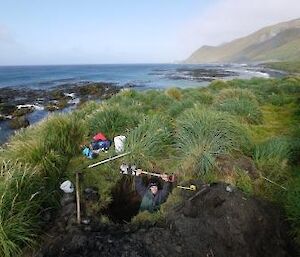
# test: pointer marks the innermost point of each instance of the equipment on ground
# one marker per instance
(108, 160)
(191, 187)
(171, 178)
(126, 169)
(119, 143)
(274, 183)
(78, 198)
(67, 187)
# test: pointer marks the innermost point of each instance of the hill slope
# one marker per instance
(279, 42)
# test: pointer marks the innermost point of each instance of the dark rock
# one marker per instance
(91, 194)
(7, 108)
(51, 108)
(200, 74)
(62, 103)
(54, 99)
(19, 122)
(57, 94)
(22, 111)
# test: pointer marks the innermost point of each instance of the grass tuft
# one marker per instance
(148, 142)
(112, 121)
(204, 135)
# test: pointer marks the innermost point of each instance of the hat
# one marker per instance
(67, 187)
(152, 184)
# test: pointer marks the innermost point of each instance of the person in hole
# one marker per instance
(152, 196)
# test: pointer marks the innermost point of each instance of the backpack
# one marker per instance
(99, 137)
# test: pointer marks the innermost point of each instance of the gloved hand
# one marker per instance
(138, 172)
(124, 168)
(165, 177)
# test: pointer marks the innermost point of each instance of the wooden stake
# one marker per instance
(78, 198)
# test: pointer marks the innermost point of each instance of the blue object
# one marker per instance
(101, 145)
(88, 153)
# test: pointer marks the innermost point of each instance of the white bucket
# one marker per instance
(67, 187)
(119, 143)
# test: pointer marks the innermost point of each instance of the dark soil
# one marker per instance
(222, 221)
(215, 221)
(125, 202)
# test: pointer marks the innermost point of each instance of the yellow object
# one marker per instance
(191, 187)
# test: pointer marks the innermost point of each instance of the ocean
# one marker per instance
(139, 76)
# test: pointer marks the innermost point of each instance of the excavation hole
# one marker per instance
(126, 201)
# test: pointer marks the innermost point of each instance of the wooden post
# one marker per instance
(78, 198)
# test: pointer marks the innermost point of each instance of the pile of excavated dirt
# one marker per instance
(215, 221)
(222, 221)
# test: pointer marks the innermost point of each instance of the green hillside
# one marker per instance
(274, 43)
(292, 67)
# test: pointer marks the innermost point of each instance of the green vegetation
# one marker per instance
(292, 67)
(192, 132)
(203, 135)
(261, 46)
(240, 102)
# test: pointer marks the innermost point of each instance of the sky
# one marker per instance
(35, 32)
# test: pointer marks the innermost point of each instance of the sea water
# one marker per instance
(139, 76)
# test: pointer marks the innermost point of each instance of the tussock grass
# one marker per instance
(50, 145)
(23, 192)
(86, 109)
(249, 111)
(148, 142)
(292, 205)
(204, 135)
(235, 93)
(273, 151)
(244, 182)
(112, 121)
(34, 162)
(198, 96)
(177, 108)
(217, 85)
(240, 102)
(62, 134)
(174, 93)
(271, 158)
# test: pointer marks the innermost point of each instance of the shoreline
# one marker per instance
(21, 107)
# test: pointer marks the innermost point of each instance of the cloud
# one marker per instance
(230, 19)
(5, 35)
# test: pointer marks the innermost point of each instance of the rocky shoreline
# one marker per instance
(17, 103)
(202, 74)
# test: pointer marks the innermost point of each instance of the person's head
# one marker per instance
(153, 188)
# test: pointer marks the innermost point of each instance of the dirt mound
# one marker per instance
(222, 221)
(110, 241)
(218, 220)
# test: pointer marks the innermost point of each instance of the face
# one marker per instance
(153, 189)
